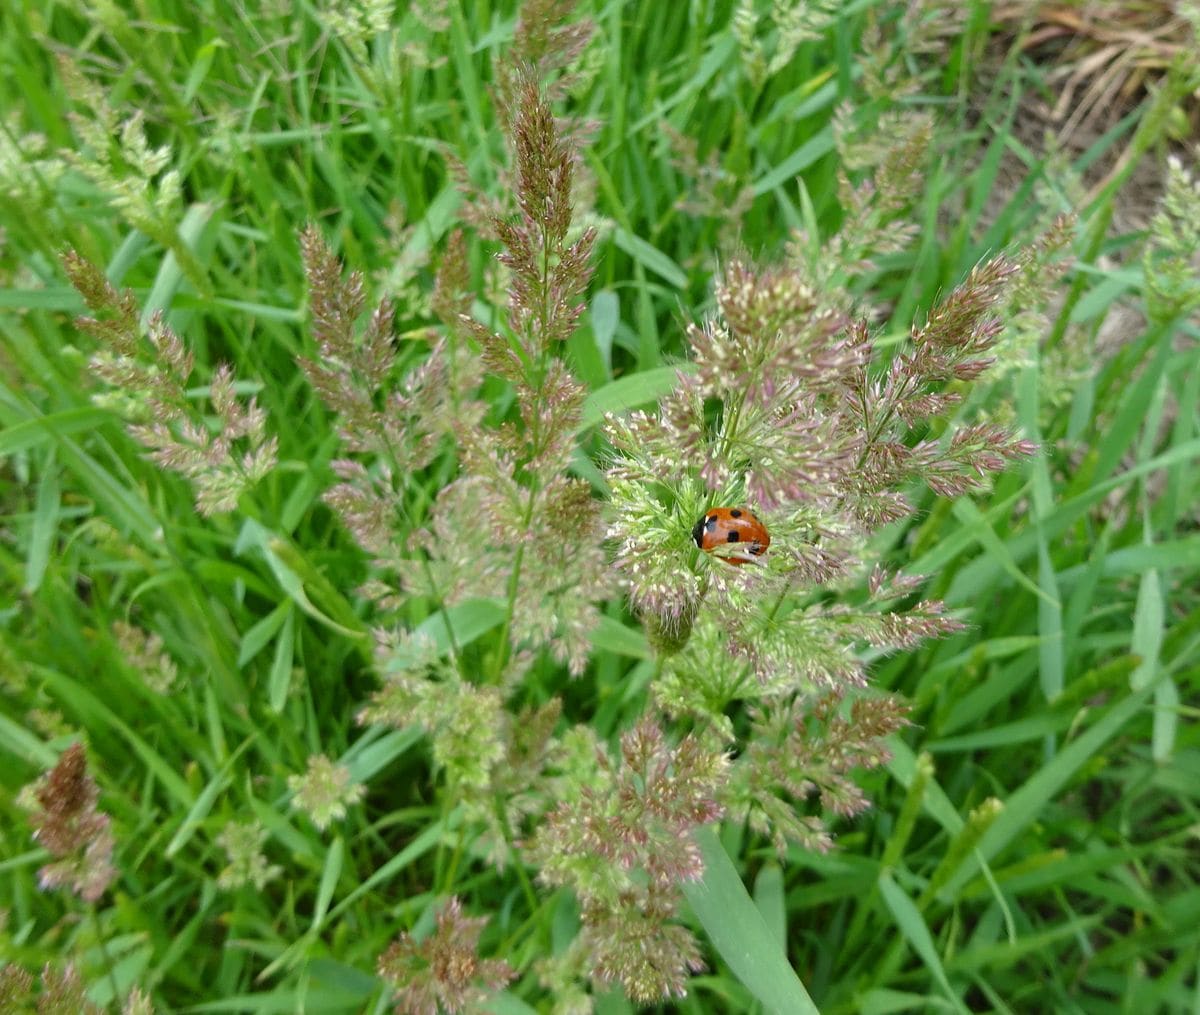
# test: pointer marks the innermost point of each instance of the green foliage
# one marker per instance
(304, 532)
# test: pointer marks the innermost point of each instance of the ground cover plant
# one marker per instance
(365, 373)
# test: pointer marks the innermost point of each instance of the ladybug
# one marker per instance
(723, 526)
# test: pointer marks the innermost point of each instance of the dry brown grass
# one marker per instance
(1099, 56)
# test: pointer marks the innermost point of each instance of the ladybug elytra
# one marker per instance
(729, 526)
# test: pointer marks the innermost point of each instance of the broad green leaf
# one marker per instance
(630, 392)
(771, 900)
(605, 316)
(740, 935)
(613, 636)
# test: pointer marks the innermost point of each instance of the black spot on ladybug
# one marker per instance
(733, 537)
(735, 513)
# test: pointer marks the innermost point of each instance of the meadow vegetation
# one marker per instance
(365, 369)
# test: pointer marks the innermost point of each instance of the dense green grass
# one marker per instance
(1068, 699)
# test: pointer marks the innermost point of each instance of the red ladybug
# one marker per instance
(725, 526)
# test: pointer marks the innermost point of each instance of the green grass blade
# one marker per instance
(280, 678)
(32, 433)
(330, 873)
(43, 530)
(916, 933)
(632, 392)
(204, 803)
(1023, 807)
(740, 934)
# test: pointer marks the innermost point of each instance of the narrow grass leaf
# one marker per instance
(1121, 431)
(375, 754)
(980, 574)
(44, 528)
(971, 517)
(949, 544)
(96, 715)
(130, 514)
(204, 803)
(817, 146)
(466, 621)
(1166, 721)
(1023, 807)
(1051, 663)
(58, 298)
(254, 537)
(39, 430)
(504, 1003)
(355, 982)
(630, 392)
(416, 848)
(887, 1002)
(1177, 553)
(280, 678)
(904, 768)
(722, 49)
(329, 598)
(171, 273)
(1147, 628)
(1021, 731)
(201, 64)
(906, 820)
(916, 933)
(20, 743)
(267, 1003)
(650, 258)
(613, 636)
(257, 311)
(1002, 954)
(332, 870)
(260, 635)
(740, 934)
